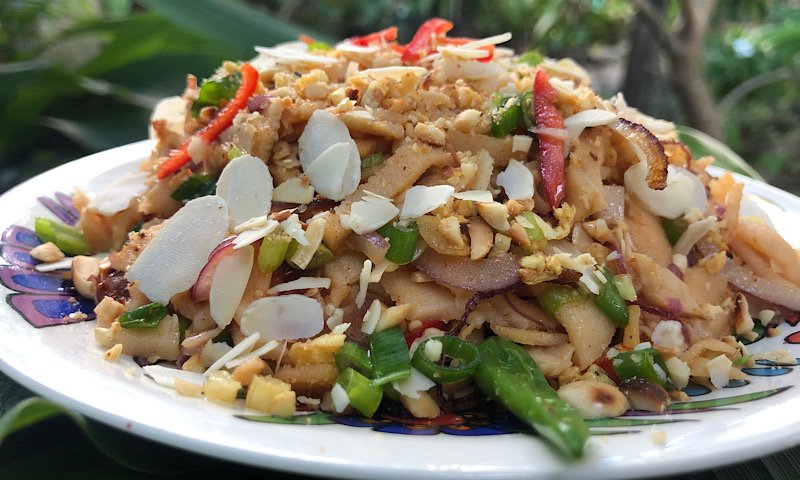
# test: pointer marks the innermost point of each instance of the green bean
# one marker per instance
(510, 377)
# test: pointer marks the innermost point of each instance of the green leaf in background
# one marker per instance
(230, 23)
(703, 144)
(30, 412)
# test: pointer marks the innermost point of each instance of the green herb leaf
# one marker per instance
(214, 92)
(146, 316)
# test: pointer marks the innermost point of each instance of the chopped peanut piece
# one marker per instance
(221, 388)
(47, 252)
(113, 353)
(271, 396)
(245, 372)
(107, 311)
(188, 389)
(318, 350)
(194, 364)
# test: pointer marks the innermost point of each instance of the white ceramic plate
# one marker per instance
(64, 363)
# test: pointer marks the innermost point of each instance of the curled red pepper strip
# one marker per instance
(423, 41)
(383, 36)
(306, 39)
(417, 332)
(180, 157)
(551, 149)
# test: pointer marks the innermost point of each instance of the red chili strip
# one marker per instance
(223, 120)
(551, 149)
(423, 41)
(383, 36)
(417, 332)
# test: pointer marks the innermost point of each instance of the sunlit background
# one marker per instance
(80, 76)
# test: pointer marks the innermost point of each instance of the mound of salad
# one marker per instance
(427, 225)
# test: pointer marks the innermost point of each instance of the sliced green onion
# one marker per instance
(742, 360)
(371, 160)
(183, 325)
(646, 363)
(364, 396)
(213, 92)
(535, 233)
(322, 256)
(235, 152)
(624, 284)
(196, 186)
(553, 296)
(531, 57)
(402, 242)
(318, 46)
(351, 355)
(673, 229)
(465, 352)
(272, 251)
(506, 117)
(610, 302)
(390, 360)
(68, 239)
(146, 316)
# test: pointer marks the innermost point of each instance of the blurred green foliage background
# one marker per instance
(80, 76)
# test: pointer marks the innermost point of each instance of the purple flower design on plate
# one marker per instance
(43, 299)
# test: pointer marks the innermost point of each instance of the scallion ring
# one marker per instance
(464, 352)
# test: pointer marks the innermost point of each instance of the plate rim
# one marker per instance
(325, 466)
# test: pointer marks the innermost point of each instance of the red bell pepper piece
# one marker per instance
(423, 41)
(551, 149)
(417, 332)
(306, 39)
(605, 363)
(384, 36)
(180, 157)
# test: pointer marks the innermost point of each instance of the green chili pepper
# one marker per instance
(554, 296)
(673, 229)
(371, 160)
(198, 185)
(526, 103)
(213, 92)
(402, 242)
(364, 396)
(351, 355)
(646, 363)
(390, 359)
(510, 377)
(272, 251)
(610, 302)
(322, 256)
(506, 117)
(68, 239)
(535, 233)
(146, 316)
(465, 352)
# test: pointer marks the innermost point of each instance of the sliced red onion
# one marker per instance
(658, 311)
(675, 270)
(257, 102)
(531, 312)
(201, 289)
(674, 305)
(484, 275)
(779, 293)
(648, 149)
(376, 240)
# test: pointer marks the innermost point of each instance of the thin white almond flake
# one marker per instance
(492, 40)
(371, 317)
(262, 350)
(516, 180)
(302, 283)
(241, 348)
(370, 213)
(314, 232)
(251, 224)
(53, 266)
(246, 184)
(341, 328)
(595, 117)
(294, 190)
(166, 376)
(461, 52)
(415, 383)
(363, 281)
(394, 72)
(247, 237)
(335, 319)
(339, 397)
(421, 199)
(478, 196)
(118, 195)
(294, 229)
(291, 57)
(380, 268)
